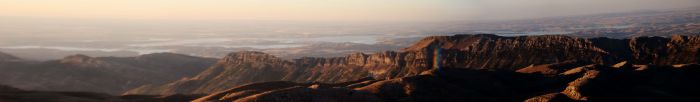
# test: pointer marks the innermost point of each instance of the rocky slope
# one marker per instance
(592, 82)
(251, 66)
(487, 52)
(112, 75)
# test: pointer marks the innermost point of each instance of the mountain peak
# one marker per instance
(79, 59)
(685, 39)
(249, 56)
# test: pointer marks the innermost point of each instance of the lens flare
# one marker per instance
(437, 57)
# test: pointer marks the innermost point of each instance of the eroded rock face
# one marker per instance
(576, 89)
(489, 52)
(657, 50)
(496, 52)
(235, 69)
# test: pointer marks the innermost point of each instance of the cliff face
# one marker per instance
(460, 51)
(509, 53)
(112, 75)
(250, 66)
(677, 49)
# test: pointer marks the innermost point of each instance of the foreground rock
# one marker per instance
(592, 83)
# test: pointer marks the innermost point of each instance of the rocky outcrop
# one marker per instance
(552, 69)
(551, 53)
(496, 52)
(657, 50)
(577, 89)
(113, 75)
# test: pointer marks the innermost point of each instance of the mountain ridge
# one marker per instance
(486, 52)
(112, 75)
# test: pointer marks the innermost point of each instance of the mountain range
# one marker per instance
(479, 52)
(480, 67)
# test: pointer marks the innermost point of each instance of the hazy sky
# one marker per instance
(325, 10)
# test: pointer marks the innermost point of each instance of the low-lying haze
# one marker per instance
(151, 26)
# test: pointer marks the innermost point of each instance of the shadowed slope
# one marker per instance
(592, 83)
(112, 75)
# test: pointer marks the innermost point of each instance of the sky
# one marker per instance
(149, 25)
(325, 10)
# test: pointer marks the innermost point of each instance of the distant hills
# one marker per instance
(112, 75)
